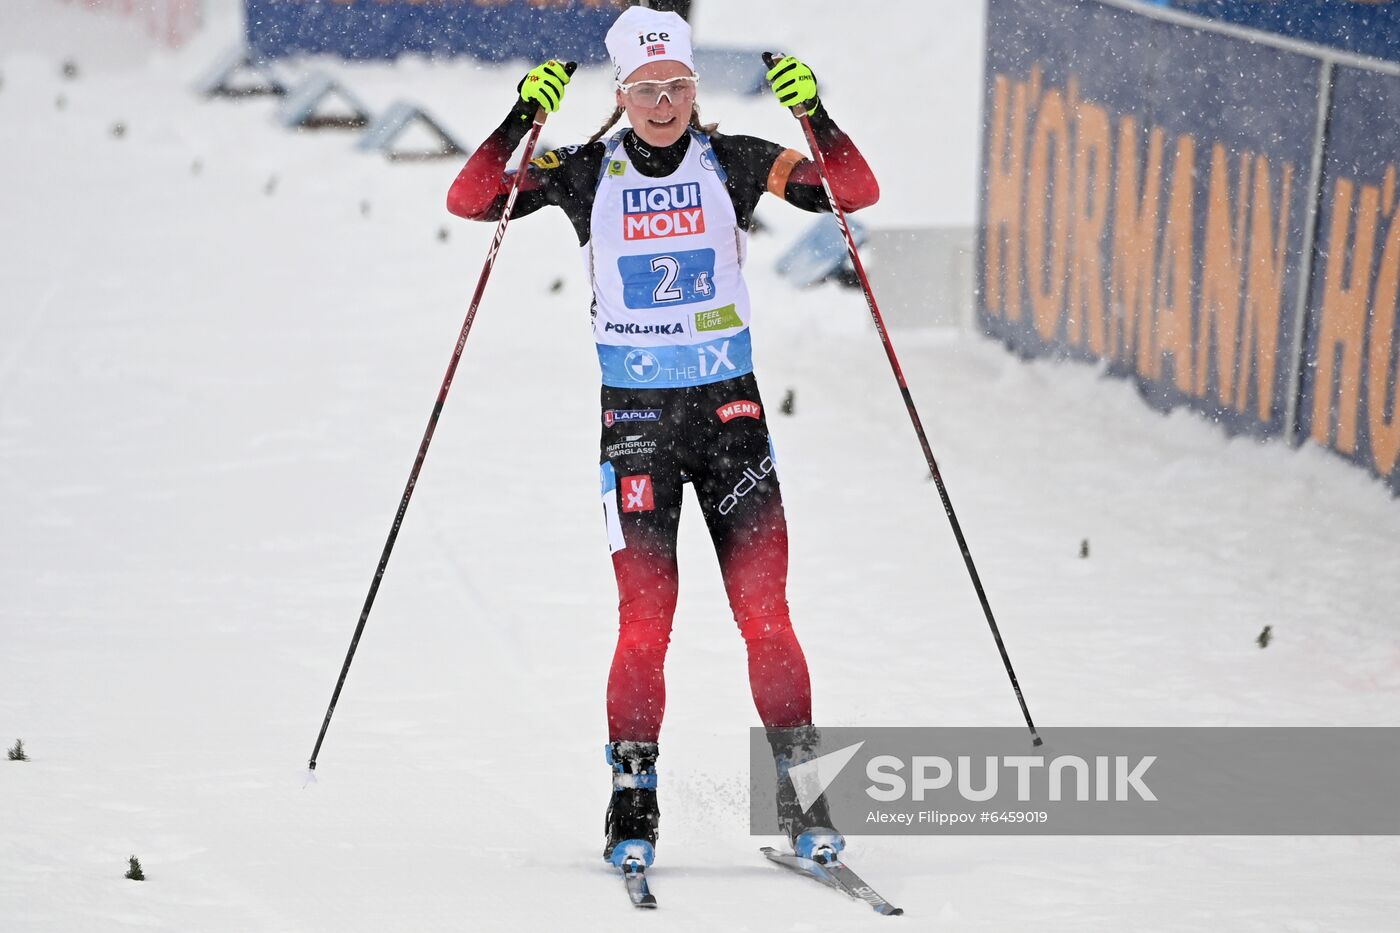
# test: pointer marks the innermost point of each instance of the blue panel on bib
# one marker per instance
(673, 367)
(663, 280)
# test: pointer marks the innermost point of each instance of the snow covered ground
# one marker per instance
(210, 396)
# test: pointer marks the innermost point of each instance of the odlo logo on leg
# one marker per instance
(746, 485)
(636, 493)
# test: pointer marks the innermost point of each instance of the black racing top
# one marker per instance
(568, 176)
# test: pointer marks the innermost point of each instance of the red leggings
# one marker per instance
(729, 464)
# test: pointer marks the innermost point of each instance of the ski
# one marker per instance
(834, 873)
(634, 875)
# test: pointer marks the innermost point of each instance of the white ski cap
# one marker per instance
(642, 35)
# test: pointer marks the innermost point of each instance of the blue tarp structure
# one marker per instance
(820, 252)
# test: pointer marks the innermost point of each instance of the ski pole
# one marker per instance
(800, 112)
(530, 142)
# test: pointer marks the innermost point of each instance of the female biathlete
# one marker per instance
(662, 212)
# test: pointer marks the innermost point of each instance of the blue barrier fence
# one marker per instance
(1211, 217)
(1366, 27)
(494, 30)
(1348, 400)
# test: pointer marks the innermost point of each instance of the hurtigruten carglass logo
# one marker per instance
(1179, 781)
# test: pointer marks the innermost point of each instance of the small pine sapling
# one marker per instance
(134, 872)
(17, 753)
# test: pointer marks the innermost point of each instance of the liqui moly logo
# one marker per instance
(740, 409)
(669, 210)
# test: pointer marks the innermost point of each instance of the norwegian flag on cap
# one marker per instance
(640, 36)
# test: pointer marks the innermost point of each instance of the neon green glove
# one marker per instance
(544, 85)
(794, 84)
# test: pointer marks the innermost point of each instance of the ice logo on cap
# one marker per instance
(641, 365)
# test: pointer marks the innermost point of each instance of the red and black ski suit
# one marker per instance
(714, 436)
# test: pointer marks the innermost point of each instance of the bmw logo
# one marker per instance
(641, 365)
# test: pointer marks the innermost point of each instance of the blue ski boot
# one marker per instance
(633, 816)
(809, 830)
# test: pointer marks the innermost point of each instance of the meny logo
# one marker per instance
(740, 409)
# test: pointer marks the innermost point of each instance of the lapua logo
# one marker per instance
(614, 416)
